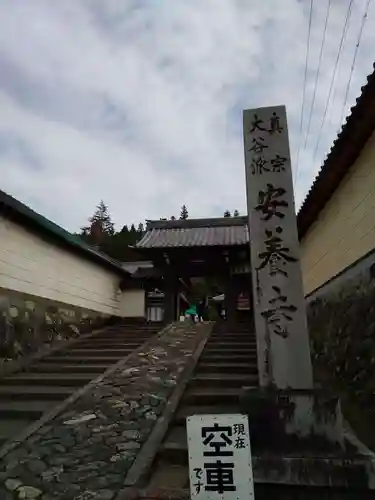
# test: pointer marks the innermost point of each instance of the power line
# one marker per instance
(354, 59)
(318, 70)
(336, 88)
(334, 74)
(304, 86)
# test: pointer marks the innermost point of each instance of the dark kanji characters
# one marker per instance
(219, 477)
(275, 251)
(269, 202)
(239, 443)
(198, 474)
(275, 124)
(239, 429)
(259, 165)
(258, 145)
(256, 124)
(278, 163)
(275, 269)
(280, 314)
(209, 434)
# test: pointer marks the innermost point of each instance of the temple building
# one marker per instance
(182, 250)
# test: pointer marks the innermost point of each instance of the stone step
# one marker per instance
(118, 353)
(75, 360)
(12, 427)
(121, 336)
(185, 411)
(233, 351)
(230, 345)
(135, 330)
(227, 366)
(24, 409)
(47, 367)
(52, 379)
(110, 344)
(223, 380)
(234, 331)
(174, 447)
(248, 359)
(22, 393)
(233, 338)
(211, 395)
(173, 477)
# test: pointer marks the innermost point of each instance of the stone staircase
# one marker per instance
(227, 364)
(26, 395)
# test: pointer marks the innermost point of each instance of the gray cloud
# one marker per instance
(140, 102)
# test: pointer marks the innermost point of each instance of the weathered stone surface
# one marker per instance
(52, 473)
(28, 493)
(18, 454)
(12, 484)
(89, 457)
(5, 494)
(341, 327)
(28, 326)
(130, 445)
(131, 434)
(37, 466)
(105, 495)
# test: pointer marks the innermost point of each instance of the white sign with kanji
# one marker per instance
(220, 457)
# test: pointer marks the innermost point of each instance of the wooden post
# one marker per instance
(279, 304)
(170, 298)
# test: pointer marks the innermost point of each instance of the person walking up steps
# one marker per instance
(191, 312)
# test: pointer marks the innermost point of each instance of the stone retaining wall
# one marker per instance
(342, 330)
(28, 324)
(85, 452)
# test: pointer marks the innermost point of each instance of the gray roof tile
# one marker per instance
(210, 232)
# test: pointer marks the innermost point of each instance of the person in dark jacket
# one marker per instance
(201, 310)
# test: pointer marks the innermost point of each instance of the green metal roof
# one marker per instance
(25, 216)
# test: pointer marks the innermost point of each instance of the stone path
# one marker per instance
(85, 452)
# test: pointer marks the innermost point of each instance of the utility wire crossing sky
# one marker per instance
(139, 103)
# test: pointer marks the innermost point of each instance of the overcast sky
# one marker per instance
(139, 102)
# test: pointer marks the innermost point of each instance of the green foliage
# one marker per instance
(101, 233)
(184, 212)
(102, 219)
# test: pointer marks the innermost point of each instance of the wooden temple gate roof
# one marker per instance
(225, 231)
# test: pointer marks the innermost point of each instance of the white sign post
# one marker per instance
(220, 457)
(279, 304)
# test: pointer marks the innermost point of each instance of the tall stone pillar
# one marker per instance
(283, 348)
(280, 317)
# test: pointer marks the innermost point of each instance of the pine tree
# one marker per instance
(173, 217)
(141, 229)
(184, 212)
(236, 213)
(100, 226)
(227, 213)
(101, 219)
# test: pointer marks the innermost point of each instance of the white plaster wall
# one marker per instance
(28, 264)
(132, 304)
(344, 230)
